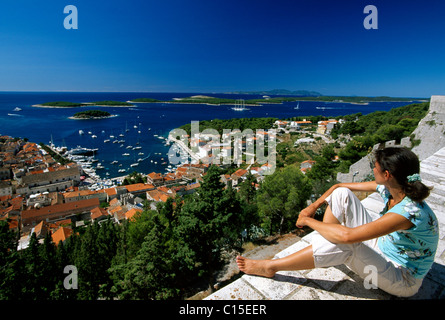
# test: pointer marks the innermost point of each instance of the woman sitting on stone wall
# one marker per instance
(399, 243)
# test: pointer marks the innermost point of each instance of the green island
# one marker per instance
(66, 104)
(110, 103)
(145, 100)
(60, 104)
(201, 99)
(92, 114)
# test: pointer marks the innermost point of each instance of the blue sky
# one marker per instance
(224, 45)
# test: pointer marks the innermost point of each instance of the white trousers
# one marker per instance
(364, 258)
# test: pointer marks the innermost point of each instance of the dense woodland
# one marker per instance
(169, 252)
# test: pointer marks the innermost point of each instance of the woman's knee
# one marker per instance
(347, 208)
(342, 193)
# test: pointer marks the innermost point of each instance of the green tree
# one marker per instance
(162, 267)
(209, 222)
(281, 197)
(87, 262)
(49, 268)
(11, 264)
(106, 242)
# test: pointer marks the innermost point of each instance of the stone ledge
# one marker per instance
(333, 283)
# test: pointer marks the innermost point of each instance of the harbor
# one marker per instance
(94, 174)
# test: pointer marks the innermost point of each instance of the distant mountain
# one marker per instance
(282, 92)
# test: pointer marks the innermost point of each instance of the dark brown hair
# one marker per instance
(401, 163)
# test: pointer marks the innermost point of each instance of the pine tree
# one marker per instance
(87, 263)
(11, 264)
(210, 222)
(281, 197)
(32, 263)
(49, 269)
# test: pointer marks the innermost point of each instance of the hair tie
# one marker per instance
(414, 177)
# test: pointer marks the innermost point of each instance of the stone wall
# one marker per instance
(362, 169)
(431, 129)
(430, 132)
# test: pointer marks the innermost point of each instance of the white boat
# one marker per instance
(111, 136)
(126, 154)
(17, 109)
(134, 164)
(121, 170)
(129, 147)
(239, 109)
(114, 162)
(239, 105)
(81, 132)
(89, 132)
(107, 140)
(93, 136)
(137, 148)
(140, 154)
(81, 151)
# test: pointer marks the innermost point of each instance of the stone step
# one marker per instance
(374, 202)
(432, 176)
(436, 199)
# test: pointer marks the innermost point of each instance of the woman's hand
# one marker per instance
(302, 221)
(308, 211)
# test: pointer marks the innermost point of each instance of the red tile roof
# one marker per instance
(61, 234)
(131, 213)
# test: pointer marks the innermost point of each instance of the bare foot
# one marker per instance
(255, 267)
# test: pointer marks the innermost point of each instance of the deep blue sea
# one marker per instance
(42, 124)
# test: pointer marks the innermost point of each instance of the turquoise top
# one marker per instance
(416, 247)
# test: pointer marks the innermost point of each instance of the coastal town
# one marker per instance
(40, 195)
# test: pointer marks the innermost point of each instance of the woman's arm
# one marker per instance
(337, 233)
(368, 186)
